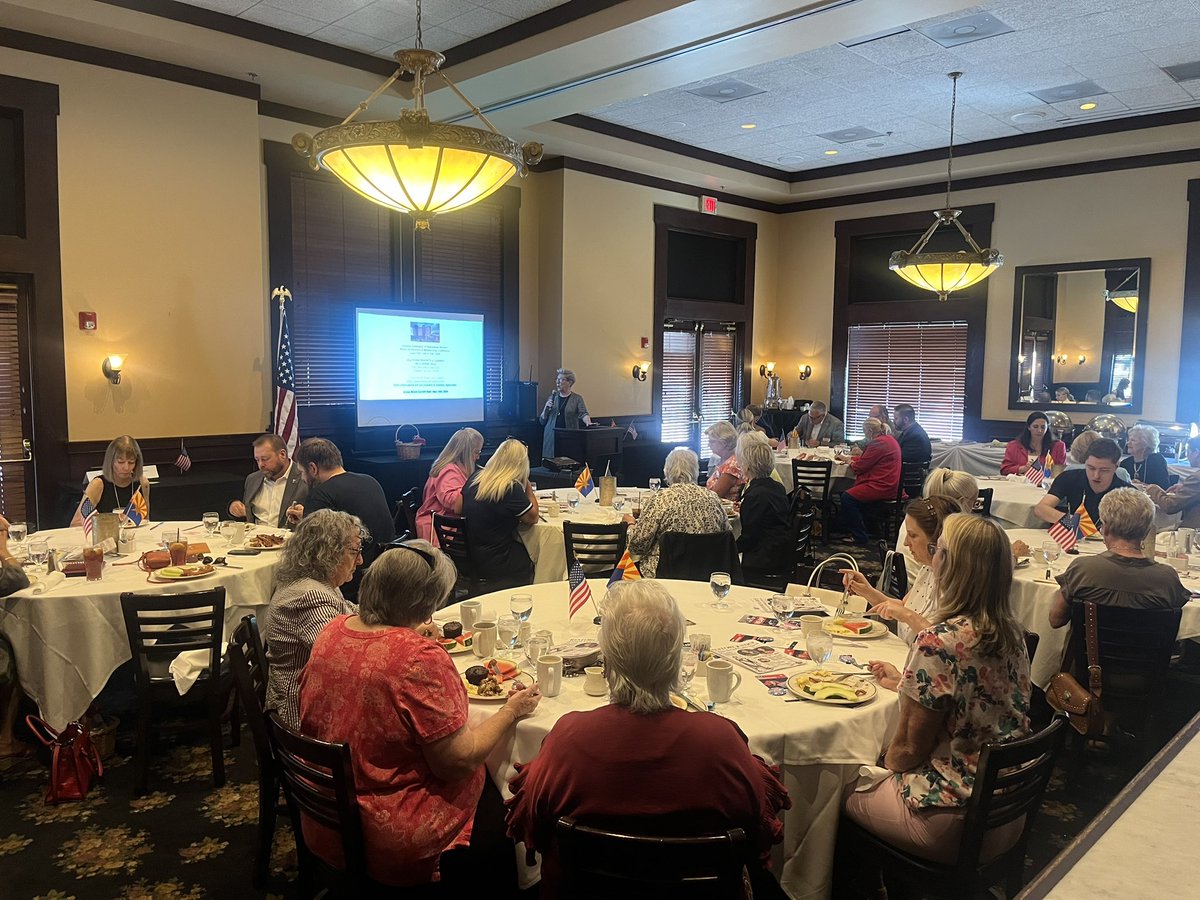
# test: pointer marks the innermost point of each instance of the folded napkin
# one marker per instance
(48, 582)
(187, 666)
(869, 776)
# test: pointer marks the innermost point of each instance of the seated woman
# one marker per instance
(395, 696)
(447, 477)
(496, 500)
(680, 506)
(923, 521)
(1121, 575)
(726, 479)
(1033, 446)
(750, 419)
(120, 484)
(1063, 395)
(961, 487)
(876, 477)
(12, 579)
(966, 682)
(765, 542)
(1144, 463)
(638, 763)
(320, 557)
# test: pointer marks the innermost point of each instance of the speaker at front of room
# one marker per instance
(527, 400)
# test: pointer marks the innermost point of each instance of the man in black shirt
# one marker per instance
(914, 442)
(1087, 485)
(330, 486)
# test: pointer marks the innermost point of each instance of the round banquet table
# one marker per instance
(818, 747)
(70, 639)
(1013, 501)
(783, 466)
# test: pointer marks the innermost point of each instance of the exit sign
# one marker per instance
(708, 204)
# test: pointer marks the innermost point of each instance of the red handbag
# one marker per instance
(74, 762)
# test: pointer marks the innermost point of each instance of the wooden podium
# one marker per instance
(597, 446)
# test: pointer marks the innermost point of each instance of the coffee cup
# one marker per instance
(722, 680)
(594, 684)
(484, 639)
(549, 675)
(809, 624)
(468, 613)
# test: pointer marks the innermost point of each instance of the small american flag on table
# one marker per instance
(1064, 532)
(88, 510)
(184, 460)
(581, 592)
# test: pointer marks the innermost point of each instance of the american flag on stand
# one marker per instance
(286, 423)
(183, 462)
(1037, 471)
(88, 510)
(1064, 532)
(581, 592)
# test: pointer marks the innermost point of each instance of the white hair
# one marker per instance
(641, 636)
(872, 427)
(754, 455)
(1148, 434)
(681, 466)
(1127, 514)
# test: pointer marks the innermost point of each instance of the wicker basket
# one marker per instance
(410, 449)
(105, 737)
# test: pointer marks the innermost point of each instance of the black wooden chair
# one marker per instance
(599, 865)
(983, 505)
(454, 540)
(248, 663)
(598, 548)
(895, 572)
(405, 515)
(694, 557)
(160, 627)
(1010, 781)
(815, 476)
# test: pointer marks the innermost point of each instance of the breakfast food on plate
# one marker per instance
(475, 675)
(822, 684)
(849, 626)
(489, 687)
(265, 542)
(452, 629)
(456, 644)
(185, 571)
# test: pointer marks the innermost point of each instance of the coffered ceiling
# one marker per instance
(771, 99)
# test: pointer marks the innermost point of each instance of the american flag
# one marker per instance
(183, 462)
(88, 510)
(287, 421)
(581, 592)
(1063, 532)
(1036, 473)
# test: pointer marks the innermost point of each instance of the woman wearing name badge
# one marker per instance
(1032, 446)
(1144, 463)
(120, 479)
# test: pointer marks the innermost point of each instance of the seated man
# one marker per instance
(818, 428)
(273, 488)
(914, 442)
(1183, 497)
(1083, 487)
(876, 477)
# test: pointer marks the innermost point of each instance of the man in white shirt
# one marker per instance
(273, 488)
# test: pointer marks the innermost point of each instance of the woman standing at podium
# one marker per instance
(564, 409)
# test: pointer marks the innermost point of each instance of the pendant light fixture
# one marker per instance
(414, 165)
(946, 272)
(1124, 297)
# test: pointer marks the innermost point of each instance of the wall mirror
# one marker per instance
(1079, 334)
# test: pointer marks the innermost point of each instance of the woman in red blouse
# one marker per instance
(397, 699)
(1033, 445)
(876, 477)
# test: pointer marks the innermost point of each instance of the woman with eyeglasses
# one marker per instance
(923, 520)
(966, 682)
(496, 501)
(317, 560)
(375, 682)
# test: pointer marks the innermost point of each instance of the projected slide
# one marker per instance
(420, 367)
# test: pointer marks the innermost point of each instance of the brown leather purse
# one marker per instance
(1082, 705)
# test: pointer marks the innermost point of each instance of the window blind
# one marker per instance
(718, 376)
(920, 363)
(678, 384)
(12, 475)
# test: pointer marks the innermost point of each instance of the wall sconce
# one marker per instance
(1082, 359)
(111, 367)
(767, 369)
(641, 370)
(1021, 358)
(1060, 358)
(805, 372)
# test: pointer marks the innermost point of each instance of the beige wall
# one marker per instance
(1116, 215)
(162, 237)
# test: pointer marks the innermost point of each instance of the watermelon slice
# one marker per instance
(858, 626)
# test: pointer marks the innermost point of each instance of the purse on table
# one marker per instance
(1064, 693)
(74, 761)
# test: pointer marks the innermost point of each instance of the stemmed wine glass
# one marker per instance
(687, 669)
(719, 583)
(783, 606)
(819, 645)
(521, 606)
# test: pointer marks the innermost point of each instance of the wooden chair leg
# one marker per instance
(268, 805)
(216, 741)
(141, 758)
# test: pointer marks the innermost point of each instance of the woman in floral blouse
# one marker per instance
(726, 479)
(966, 682)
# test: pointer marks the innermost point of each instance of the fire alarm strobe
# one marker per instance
(87, 321)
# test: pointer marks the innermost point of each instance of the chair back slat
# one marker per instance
(983, 505)
(248, 663)
(161, 626)
(814, 474)
(1135, 647)
(452, 538)
(405, 517)
(598, 548)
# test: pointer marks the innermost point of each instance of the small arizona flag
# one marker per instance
(626, 570)
(1086, 526)
(138, 509)
(584, 484)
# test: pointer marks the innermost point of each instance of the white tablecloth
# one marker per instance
(966, 456)
(783, 465)
(69, 640)
(1013, 501)
(819, 747)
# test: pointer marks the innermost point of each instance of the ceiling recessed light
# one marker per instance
(831, 153)
(1026, 118)
(1087, 105)
(875, 145)
(726, 91)
(671, 127)
(965, 29)
(749, 125)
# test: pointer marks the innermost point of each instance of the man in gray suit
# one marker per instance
(818, 428)
(273, 488)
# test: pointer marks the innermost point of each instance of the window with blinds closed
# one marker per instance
(701, 372)
(920, 363)
(12, 475)
(719, 376)
(678, 385)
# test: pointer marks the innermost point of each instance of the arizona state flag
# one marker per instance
(138, 509)
(626, 570)
(1086, 526)
(584, 484)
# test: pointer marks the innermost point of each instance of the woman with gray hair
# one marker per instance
(681, 506)
(1144, 463)
(765, 512)
(120, 480)
(375, 682)
(644, 757)
(726, 478)
(563, 409)
(1121, 575)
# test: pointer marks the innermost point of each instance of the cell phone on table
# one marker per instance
(242, 551)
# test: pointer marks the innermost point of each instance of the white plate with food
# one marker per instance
(831, 688)
(489, 688)
(265, 541)
(463, 643)
(183, 573)
(855, 629)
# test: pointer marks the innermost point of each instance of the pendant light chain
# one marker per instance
(954, 76)
(420, 41)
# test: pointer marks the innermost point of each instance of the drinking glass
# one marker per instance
(506, 636)
(39, 552)
(719, 583)
(655, 484)
(618, 503)
(687, 669)
(535, 648)
(783, 606)
(1051, 551)
(547, 636)
(212, 522)
(17, 532)
(819, 645)
(573, 502)
(521, 606)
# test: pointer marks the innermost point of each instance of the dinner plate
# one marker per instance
(458, 647)
(184, 577)
(250, 545)
(472, 692)
(877, 630)
(796, 684)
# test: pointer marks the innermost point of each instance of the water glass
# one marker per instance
(506, 636)
(17, 532)
(1051, 551)
(655, 484)
(719, 583)
(819, 645)
(573, 503)
(39, 552)
(521, 606)
(618, 503)
(783, 606)
(535, 648)
(546, 635)
(212, 522)
(687, 669)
